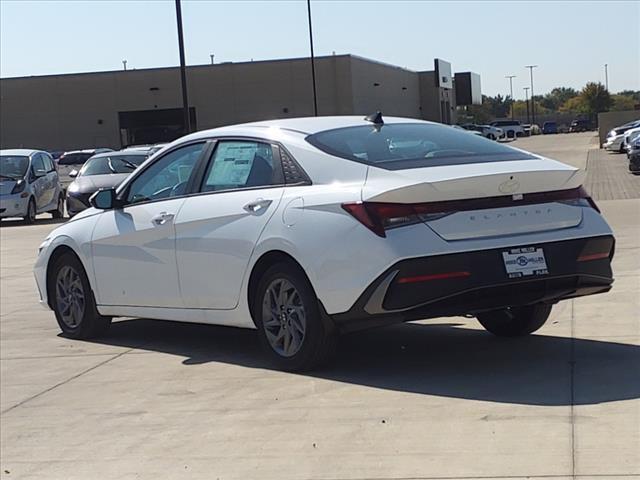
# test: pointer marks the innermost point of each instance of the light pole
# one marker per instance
(606, 76)
(526, 96)
(124, 63)
(313, 62)
(533, 103)
(511, 77)
(211, 55)
(183, 70)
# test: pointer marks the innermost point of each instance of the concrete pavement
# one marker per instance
(425, 400)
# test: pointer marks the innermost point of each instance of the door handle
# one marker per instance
(257, 205)
(162, 218)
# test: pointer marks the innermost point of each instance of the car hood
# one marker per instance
(6, 186)
(93, 183)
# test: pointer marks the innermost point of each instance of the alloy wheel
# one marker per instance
(283, 317)
(70, 296)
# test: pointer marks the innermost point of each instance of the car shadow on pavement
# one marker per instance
(39, 221)
(442, 359)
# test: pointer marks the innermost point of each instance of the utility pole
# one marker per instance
(526, 96)
(313, 62)
(533, 103)
(124, 63)
(183, 70)
(211, 55)
(606, 76)
(511, 77)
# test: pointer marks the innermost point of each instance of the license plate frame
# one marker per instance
(525, 262)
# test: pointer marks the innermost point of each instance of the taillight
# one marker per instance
(380, 216)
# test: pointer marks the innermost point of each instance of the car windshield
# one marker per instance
(74, 158)
(13, 167)
(111, 164)
(412, 145)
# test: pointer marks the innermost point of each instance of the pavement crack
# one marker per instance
(26, 400)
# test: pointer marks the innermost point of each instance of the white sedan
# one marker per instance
(307, 228)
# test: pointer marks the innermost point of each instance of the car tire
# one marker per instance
(30, 217)
(491, 136)
(292, 330)
(73, 301)
(59, 211)
(515, 321)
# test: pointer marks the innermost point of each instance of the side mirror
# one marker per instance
(104, 199)
(73, 173)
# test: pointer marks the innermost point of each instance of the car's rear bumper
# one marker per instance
(478, 282)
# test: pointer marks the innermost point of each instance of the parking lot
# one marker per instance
(439, 399)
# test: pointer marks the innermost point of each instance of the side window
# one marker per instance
(48, 164)
(167, 177)
(38, 165)
(239, 164)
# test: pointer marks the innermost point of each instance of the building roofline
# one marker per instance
(206, 65)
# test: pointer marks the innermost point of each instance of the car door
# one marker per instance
(51, 181)
(217, 229)
(133, 247)
(39, 181)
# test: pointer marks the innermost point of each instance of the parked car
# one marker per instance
(580, 125)
(549, 128)
(56, 154)
(534, 129)
(472, 132)
(74, 160)
(305, 228)
(614, 140)
(633, 154)
(29, 185)
(511, 128)
(103, 170)
(488, 131)
(527, 129)
(629, 136)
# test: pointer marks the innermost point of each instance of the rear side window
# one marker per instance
(240, 164)
(412, 145)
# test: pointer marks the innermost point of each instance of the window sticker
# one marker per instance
(232, 165)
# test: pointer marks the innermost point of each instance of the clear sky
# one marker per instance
(570, 41)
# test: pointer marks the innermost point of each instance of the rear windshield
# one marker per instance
(112, 164)
(74, 158)
(506, 123)
(412, 145)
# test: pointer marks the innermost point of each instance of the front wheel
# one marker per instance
(291, 328)
(515, 321)
(491, 136)
(73, 301)
(30, 217)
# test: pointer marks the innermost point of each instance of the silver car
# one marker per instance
(29, 185)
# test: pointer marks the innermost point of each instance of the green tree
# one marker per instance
(574, 105)
(596, 98)
(622, 102)
(556, 97)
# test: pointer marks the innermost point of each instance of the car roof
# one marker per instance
(128, 153)
(23, 152)
(302, 125)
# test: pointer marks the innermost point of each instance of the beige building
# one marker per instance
(120, 108)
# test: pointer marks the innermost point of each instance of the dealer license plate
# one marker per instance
(524, 262)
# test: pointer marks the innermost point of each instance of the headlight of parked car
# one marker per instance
(19, 186)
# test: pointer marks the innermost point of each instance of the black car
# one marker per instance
(104, 170)
(633, 153)
(580, 125)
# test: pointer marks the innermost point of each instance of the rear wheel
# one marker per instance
(291, 328)
(515, 321)
(73, 301)
(491, 136)
(31, 212)
(59, 211)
